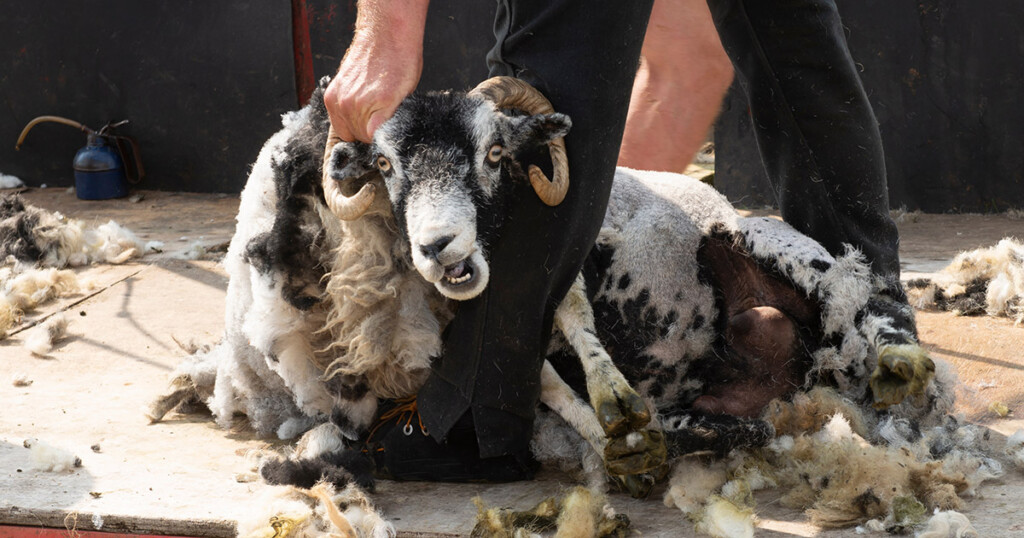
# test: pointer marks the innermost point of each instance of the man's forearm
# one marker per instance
(399, 23)
(381, 66)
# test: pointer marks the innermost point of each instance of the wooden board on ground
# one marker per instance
(186, 476)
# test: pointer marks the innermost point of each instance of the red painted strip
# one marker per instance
(305, 81)
(11, 531)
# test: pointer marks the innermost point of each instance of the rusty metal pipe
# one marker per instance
(55, 119)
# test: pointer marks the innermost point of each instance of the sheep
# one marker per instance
(338, 295)
(653, 221)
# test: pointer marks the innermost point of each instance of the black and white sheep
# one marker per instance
(327, 314)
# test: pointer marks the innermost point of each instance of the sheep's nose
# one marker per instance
(434, 249)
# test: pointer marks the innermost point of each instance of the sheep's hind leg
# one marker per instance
(904, 367)
(903, 370)
(621, 412)
(688, 432)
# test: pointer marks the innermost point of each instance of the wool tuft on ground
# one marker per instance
(24, 291)
(36, 247)
(948, 524)
(579, 513)
(319, 511)
(40, 340)
(1015, 448)
(8, 181)
(982, 281)
(46, 457)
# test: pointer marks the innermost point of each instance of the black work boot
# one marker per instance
(402, 449)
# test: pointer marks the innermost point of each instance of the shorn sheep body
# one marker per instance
(709, 315)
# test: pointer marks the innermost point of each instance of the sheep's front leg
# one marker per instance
(621, 412)
(559, 396)
(564, 401)
(619, 408)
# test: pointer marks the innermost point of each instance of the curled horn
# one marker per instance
(343, 207)
(508, 92)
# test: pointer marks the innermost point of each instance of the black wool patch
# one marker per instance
(820, 265)
(21, 228)
(919, 283)
(290, 247)
(341, 469)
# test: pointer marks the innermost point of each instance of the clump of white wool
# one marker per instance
(115, 244)
(24, 291)
(693, 481)
(8, 181)
(948, 524)
(1015, 449)
(1003, 267)
(41, 339)
(318, 512)
(723, 518)
(46, 457)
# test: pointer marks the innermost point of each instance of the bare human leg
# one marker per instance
(683, 75)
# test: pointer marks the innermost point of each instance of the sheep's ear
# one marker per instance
(540, 129)
(349, 159)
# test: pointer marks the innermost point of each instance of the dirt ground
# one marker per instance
(187, 476)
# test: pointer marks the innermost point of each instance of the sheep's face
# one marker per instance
(448, 161)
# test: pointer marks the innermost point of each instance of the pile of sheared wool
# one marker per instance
(36, 247)
(982, 281)
(115, 244)
(23, 291)
(579, 513)
(823, 464)
(35, 236)
(318, 512)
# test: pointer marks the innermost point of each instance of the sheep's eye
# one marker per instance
(383, 164)
(495, 153)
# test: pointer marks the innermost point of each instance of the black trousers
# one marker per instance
(582, 55)
(815, 129)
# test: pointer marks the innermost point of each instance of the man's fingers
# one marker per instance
(341, 128)
(376, 119)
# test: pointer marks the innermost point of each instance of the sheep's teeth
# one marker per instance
(459, 280)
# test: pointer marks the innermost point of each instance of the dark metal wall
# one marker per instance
(458, 36)
(945, 79)
(203, 83)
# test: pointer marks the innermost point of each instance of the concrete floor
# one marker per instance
(186, 476)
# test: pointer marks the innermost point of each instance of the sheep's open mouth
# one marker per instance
(458, 273)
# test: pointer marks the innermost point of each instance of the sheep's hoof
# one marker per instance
(624, 412)
(613, 527)
(639, 486)
(903, 370)
(635, 453)
(502, 522)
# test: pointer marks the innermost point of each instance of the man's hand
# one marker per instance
(381, 67)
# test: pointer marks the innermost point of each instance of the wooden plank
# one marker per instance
(10, 531)
(20, 523)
